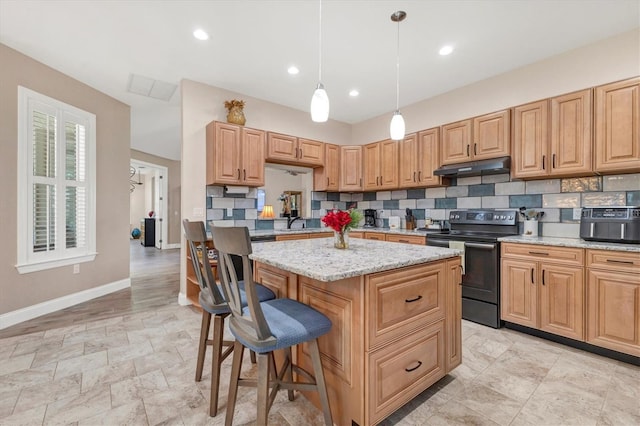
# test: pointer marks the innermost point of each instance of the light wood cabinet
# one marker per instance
(327, 178)
(193, 287)
(378, 236)
(478, 138)
(380, 165)
(292, 150)
(543, 287)
(407, 239)
(613, 300)
(617, 127)
(273, 278)
(235, 155)
(350, 168)
(419, 156)
(553, 137)
(290, 237)
(453, 355)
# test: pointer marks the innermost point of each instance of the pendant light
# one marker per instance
(320, 99)
(396, 128)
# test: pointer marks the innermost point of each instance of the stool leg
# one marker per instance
(234, 378)
(264, 365)
(202, 346)
(252, 354)
(289, 374)
(320, 383)
(218, 331)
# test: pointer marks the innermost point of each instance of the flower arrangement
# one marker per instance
(233, 103)
(236, 114)
(342, 222)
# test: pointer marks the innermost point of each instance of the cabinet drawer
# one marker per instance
(400, 371)
(378, 236)
(320, 234)
(567, 255)
(407, 239)
(402, 300)
(356, 234)
(292, 237)
(614, 260)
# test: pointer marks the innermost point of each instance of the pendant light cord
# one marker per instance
(398, 69)
(320, 45)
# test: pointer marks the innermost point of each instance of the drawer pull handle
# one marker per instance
(627, 262)
(409, 370)
(403, 241)
(540, 253)
(413, 300)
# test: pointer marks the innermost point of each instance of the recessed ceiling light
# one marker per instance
(293, 70)
(201, 34)
(446, 50)
(353, 93)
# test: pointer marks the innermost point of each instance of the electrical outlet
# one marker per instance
(76, 268)
(198, 212)
(229, 212)
(576, 213)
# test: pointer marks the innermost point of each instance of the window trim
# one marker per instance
(27, 261)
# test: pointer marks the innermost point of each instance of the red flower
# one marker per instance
(337, 220)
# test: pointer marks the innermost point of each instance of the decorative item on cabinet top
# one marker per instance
(236, 112)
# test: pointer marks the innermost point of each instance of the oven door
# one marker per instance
(481, 276)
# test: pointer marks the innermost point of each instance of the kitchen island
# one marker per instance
(396, 314)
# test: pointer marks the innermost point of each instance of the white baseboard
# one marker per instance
(182, 299)
(34, 311)
(173, 246)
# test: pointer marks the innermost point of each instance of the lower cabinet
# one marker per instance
(613, 300)
(543, 288)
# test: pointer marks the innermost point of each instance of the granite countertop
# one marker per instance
(317, 258)
(571, 242)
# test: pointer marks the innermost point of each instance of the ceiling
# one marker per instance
(102, 43)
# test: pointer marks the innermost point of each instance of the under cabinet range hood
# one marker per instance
(492, 166)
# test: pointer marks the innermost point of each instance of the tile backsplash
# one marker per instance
(556, 197)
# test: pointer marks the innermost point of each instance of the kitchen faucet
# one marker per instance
(290, 220)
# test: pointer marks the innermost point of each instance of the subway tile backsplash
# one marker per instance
(556, 197)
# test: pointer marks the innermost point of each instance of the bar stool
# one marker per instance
(266, 327)
(213, 304)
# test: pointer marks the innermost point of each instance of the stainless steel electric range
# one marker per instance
(479, 230)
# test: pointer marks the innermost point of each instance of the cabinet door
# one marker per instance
(282, 148)
(274, 279)
(519, 292)
(223, 153)
(350, 168)
(310, 152)
(617, 123)
(531, 135)
(253, 147)
(408, 162)
(378, 236)
(613, 310)
(327, 178)
(428, 157)
(389, 164)
(371, 168)
(562, 300)
(571, 139)
(454, 315)
(491, 136)
(456, 141)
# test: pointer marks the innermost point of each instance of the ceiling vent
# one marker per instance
(151, 88)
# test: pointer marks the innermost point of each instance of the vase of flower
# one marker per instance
(235, 113)
(342, 222)
(341, 239)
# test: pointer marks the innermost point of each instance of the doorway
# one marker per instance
(148, 191)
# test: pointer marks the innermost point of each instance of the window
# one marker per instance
(56, 183)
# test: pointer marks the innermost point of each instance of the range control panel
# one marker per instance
(493, 217)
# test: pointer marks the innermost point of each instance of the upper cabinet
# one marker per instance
(553, 137)
(327, 178)
(235, 155)
(350, 168)
(419, 156)
(479, 138)
(380, 165)
(617, 119)
(292, 150)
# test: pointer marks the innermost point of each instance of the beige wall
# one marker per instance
(610, 60)
(112, 198)
(175, 188)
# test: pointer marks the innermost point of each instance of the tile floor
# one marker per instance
(138, 369)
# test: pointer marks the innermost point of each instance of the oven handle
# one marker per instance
(480, 246)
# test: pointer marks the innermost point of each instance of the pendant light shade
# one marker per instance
(320, 99)
(396, 128)
(320, 105)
